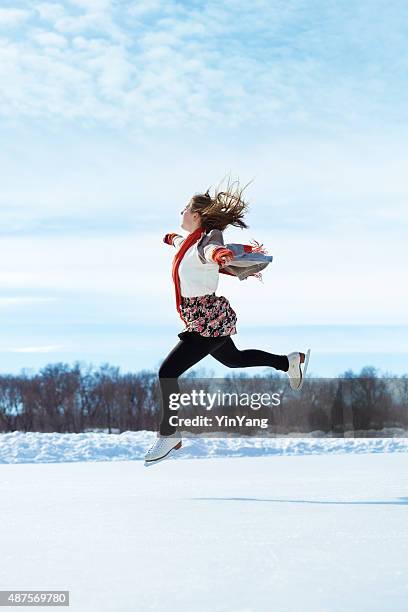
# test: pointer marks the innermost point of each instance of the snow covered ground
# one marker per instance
(20, 447)
(306, 527)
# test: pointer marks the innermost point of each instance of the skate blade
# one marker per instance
(305, 364)
(154, 461)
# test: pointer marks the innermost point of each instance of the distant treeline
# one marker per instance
(73, 399)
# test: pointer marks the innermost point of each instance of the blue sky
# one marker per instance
(112, 114)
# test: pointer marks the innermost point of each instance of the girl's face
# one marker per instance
(191, 220)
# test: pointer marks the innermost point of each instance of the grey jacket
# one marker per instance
(244, 263)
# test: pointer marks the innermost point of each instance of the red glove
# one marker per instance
(168, 238)
(219, 253)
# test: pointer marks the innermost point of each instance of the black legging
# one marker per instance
(191, 349)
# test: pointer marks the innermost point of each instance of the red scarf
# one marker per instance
(191, 239)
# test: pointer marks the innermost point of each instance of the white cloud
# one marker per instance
(49, 39)
(231, 64)
(148, 6)
(16, 301)
(50, 11)
(94, 6)
(13, 17)
(34, 349)
(114, 70)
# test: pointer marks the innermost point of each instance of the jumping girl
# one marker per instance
(210, 321)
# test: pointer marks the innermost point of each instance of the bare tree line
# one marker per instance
(70, 399)
(67, 399)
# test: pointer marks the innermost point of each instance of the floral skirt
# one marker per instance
(210, 315)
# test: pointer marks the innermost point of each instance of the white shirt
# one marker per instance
(196, 277)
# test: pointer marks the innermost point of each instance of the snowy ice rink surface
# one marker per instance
(322, 532)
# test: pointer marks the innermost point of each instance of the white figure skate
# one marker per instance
(295, 373)
(162, 447)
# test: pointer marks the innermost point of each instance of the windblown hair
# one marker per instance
(226, 207)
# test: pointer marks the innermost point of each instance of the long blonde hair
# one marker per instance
(227, 207)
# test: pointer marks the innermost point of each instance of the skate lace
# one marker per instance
(157, 445)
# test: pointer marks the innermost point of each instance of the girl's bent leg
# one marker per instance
(231, 356)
